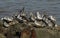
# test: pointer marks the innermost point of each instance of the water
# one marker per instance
(9, 7)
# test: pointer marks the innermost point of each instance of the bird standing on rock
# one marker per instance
(32, 17)
(6, 21)
(39, 17)
(53, 20)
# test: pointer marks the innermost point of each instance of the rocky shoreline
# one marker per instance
(41, 26)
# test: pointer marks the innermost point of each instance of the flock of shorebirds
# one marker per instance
(37, 20)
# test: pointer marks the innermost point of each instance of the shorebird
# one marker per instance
(6, 25)
(32, 17)
(22, 12)
(45, 19)
(41, 23)
(52, 20)
(39, 17)
(40, 20)
(19, 17)
(37, 23)
(49, 20)
(6, 21)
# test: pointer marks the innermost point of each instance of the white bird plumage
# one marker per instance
(19, 17)
(32, 17)
(36, 23)
(6, 24)
(39, 20)
(52, 18)
(8, 18)
(39, 16)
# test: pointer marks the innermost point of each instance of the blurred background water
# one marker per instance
(9, 7)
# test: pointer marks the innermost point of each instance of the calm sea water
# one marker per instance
(9, 7)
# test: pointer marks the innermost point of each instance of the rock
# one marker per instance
(2, 36)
